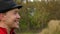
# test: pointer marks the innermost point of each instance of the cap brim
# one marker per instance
(17, 6)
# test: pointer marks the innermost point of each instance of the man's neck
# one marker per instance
(3, 25)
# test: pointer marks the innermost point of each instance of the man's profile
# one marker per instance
(9, 17)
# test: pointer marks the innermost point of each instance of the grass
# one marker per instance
(27, 33)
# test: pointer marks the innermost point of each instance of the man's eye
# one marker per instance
(14, 13)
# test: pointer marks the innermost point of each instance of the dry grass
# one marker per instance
(53, 27)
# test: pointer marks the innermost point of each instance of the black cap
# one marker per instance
(7, 5)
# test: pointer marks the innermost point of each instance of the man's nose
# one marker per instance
(18, 16)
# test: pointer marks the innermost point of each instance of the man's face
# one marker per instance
(12, 18)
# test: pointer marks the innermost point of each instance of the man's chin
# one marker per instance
(16, 27)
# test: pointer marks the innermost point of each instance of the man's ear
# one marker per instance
(1, 16)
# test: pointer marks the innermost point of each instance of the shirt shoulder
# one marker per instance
(3, 31)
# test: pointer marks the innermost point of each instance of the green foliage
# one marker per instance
(42, 13)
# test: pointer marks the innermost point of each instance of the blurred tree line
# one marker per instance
(36, 15)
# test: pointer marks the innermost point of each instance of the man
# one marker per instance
(9, 16)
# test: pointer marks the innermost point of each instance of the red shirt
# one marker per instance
(4, 31)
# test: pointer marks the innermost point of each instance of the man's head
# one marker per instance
(9, 13)
(10, 18)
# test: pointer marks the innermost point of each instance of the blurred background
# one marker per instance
(39, 17)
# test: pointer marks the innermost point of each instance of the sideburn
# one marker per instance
(2, 15)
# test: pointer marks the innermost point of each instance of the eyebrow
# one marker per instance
(16, 10)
